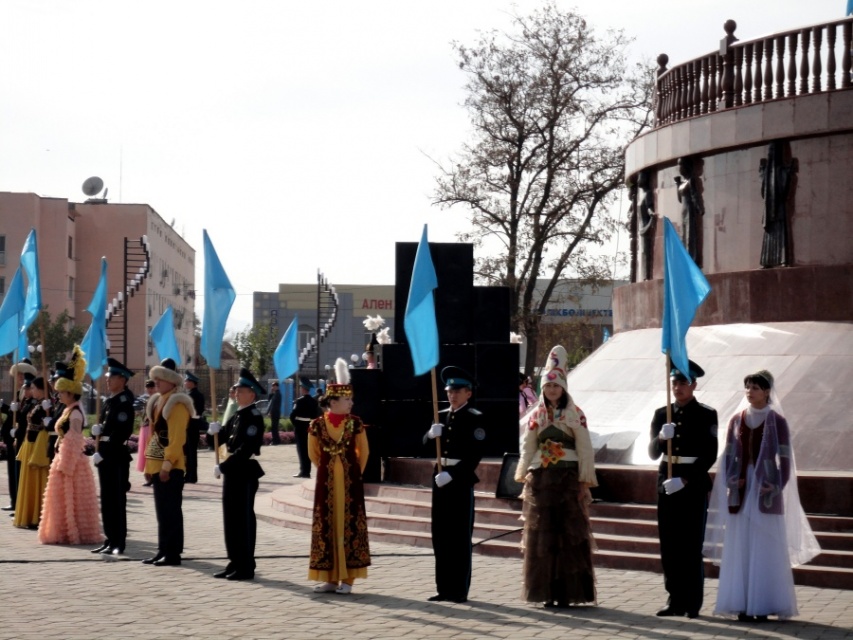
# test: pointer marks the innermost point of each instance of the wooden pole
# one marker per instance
(213, 412)
(435, 420)
(668, 416)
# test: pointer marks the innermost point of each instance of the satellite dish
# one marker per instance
(92, 186)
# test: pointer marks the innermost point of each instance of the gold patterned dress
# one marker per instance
(34, 468)
(337, 445)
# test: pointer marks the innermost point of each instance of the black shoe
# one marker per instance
(166, 561)
(148, 484)
(115, 551)
(102, 548)
(550, 605)
(8, 507)
(742, 617)
(240, 575)
(436, 598)
(761, 618)
(154, 559)
(692, 614)
(668, 610)
(223, 574)
(458, 600)
(12, 515)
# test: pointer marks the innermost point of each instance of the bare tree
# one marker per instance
(552, 106)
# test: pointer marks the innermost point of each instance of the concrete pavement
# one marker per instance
(68, 593)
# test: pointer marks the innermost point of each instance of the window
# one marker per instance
(2, 251)
(70, 248)
(70, 288)
(2, 286)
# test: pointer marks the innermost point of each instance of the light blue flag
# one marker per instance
(684, 289)
(849, 7)
(606, 336)
(163, 336)
(12, 314)
(94, 343)
(30, 263)
(286, 356)
(219, 296)
(419, 321)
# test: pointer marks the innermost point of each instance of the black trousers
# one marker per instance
(274, 419)
(238, 511)
(13, 468)
(168, 497)
(300, 430)
(114, 475)
(452, 527)
(681, 526)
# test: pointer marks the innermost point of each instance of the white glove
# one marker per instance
(13, 432)
(46, 404)
(46, 421)
(672, 485)
(14, 406)
(97, 458)
(97, 429)
(216, 472)
(442, 479)
(213, 428)
(435, 431)
(667, 431)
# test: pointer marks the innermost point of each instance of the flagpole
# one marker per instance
(43, 350)
(668, 416)
(213, 412)
(435, 420)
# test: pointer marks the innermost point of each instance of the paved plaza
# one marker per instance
(67, 592)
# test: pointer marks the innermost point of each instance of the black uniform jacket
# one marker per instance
(307, 408)
(462, 439)
(244, 435)
(117, 417)
(695, 436)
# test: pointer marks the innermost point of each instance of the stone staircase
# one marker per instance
(625, 532)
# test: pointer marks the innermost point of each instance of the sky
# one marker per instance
(303, 136)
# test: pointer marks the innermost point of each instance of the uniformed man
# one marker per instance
(191, 387)
(169, 413)
(462, 436)
(113, 457)
(244, 435)
(13, 413)
(305, 409)
(683, 499)
(274, 412)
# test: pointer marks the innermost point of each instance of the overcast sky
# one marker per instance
(300, 134)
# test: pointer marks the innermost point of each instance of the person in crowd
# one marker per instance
(757, 529)
(683, 497)
(59, 371)
(557, 466)
(169, 412)
(305, 409)
(461, 436)
(15, 416)
(70, 506)
(144, 431)
(191, 387)
(337, 445)
(33, 458)
(112, 458)
(526, 395)
(244, 436)
(274, 412)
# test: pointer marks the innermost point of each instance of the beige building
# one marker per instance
(72, 238)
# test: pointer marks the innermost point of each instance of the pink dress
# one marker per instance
(70, 506)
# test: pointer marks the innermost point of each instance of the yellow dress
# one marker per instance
(339, 489)
(33, 479)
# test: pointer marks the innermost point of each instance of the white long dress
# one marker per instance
(755, 566)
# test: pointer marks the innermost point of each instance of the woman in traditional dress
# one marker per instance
(144, 432)
(70, 507)
(337, 445)
(756, 528)
(557, 467)
(34, 459)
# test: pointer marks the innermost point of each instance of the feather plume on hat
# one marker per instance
(373, 323)
(72, 381)
(341, 388)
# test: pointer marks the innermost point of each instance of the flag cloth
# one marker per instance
(94, 343)
(163, 336)
(419, 321)
(218, 298)
(30, 263)
(684, 289)
(849, 7)
(286, 356)
(12, 314)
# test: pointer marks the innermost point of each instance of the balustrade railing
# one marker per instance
(793, 63)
